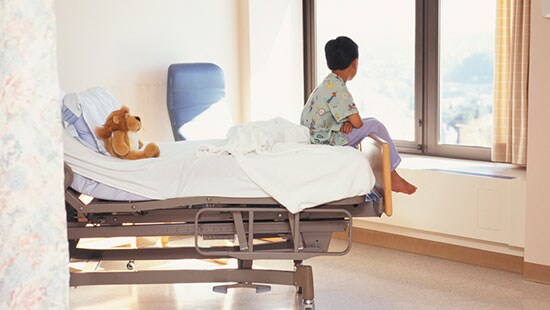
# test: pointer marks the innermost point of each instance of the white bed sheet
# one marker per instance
(190, 175)
(300, 182)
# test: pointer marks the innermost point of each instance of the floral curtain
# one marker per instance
(33, 246)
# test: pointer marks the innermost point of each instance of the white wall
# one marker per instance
(537, 238)
(127, 46)
(276, 59)
(468, 203)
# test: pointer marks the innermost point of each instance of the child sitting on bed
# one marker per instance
(331, 115)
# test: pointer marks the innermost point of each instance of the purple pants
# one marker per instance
(372, 125)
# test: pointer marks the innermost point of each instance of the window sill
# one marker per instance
(462, 166)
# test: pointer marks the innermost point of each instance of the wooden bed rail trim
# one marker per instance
(385, 183)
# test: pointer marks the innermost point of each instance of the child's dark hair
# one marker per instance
(340, 53)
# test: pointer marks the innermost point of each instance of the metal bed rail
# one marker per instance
(245, 231)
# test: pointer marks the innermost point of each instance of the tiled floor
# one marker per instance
(367, 278)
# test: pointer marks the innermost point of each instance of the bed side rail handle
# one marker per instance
(377, 151)
(247, 251)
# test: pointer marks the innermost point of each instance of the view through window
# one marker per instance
(467, 44)
(385, 33)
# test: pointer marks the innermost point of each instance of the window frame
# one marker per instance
(426, 87)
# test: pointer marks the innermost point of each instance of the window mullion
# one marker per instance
(420, 74)
(308, 11)
(419, 89)
(431, 84)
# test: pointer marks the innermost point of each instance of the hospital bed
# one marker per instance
(298, 237)
(258, 228)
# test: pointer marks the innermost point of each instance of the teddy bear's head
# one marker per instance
(120, 119)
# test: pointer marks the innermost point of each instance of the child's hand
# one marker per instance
(346, 127)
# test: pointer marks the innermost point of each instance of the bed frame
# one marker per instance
(248, 222)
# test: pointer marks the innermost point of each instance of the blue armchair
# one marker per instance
(193, 88)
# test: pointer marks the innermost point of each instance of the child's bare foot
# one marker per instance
(400, 185)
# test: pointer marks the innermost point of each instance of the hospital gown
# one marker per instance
(327, 109)
(329, 106)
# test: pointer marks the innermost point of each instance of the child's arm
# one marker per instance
(354, 121)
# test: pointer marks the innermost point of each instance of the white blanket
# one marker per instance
(258, 137)
(302, 176)
(297, 175)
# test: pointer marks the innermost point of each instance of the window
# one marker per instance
(386, 57)
(425, 68)
(466, 72)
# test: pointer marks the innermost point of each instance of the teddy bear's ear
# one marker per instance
(116, 119)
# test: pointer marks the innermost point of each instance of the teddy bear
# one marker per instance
(120, 136)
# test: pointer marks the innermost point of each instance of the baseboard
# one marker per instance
(536, 273)
(453, 252)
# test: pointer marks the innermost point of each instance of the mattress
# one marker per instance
(95, 189)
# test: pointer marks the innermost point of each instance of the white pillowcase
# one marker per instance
(86, 110)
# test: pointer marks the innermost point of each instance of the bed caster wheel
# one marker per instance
(130, 265)
(308, 305)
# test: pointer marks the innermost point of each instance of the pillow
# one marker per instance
(84, 111)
